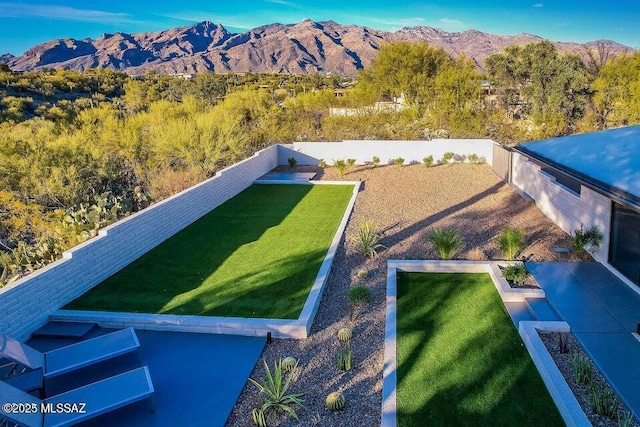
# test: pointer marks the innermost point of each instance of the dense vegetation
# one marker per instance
(81, 149)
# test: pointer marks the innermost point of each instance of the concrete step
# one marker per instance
(518, 312)
(64, 329)
(541, 310)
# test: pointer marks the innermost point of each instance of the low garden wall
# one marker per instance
(27, 303)
(309, 153)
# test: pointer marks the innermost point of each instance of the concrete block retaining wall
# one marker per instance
(564, 207)
(27, 303)
(308, 153)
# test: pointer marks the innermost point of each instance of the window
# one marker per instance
(624, 253)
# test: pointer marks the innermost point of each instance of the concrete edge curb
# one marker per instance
(565, 401)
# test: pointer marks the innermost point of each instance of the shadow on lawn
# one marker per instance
(483, 379)
(180, 264)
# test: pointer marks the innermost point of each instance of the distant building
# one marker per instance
(589, 179)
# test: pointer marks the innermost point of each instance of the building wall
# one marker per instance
(309, 153)
(26, 304)
(563, 206)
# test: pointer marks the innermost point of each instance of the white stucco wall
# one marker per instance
(564, 207)
(308, 153)
(26, 304)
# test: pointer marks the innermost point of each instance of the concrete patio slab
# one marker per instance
(602, 311)
(197, 377)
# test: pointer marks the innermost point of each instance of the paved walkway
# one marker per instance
(602, 312)
(197, 377)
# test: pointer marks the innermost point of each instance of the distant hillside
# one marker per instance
(305, 47)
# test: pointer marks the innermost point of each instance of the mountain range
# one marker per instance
(305, 47)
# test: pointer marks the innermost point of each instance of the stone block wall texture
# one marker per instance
(564, 207)
(27, 303)
(309, 153)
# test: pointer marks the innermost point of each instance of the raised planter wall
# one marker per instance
(309, 153)
(27, 303)
(564, 207)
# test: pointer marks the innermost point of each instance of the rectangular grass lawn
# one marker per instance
(256, 255)
(460, 359)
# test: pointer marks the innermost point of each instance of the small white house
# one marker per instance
(589, 179)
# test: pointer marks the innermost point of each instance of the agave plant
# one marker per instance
(275, 388)
(368, 239)
(447, 241)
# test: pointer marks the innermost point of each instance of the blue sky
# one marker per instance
(24, 24)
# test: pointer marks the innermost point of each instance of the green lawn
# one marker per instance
(461, 361)
(256, 255)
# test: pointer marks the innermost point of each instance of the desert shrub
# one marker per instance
(516, 273)
(351, 162)
(512, 241)
(477, 254)
(375, 160)
(362, 274)
(581, 368)
(168, 182)
(341, 166)
(446, 241)
(322, 164)
(583, 240)
(292, 161)
(275, 389)
(427, 161)
(368, 239)
(446, 157)
(345, 358)
(359, 295)
(473, 158)
(603, 401)
(398, 161)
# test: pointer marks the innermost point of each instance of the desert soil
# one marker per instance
(404, 203)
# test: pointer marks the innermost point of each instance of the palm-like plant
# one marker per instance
(512, 241)
(368, 239)
(275, 388)
(341, 166)
(447, 241)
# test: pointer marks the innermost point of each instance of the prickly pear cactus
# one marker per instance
(259, 418)
(289, 364)
(335, 401)
(345, 334)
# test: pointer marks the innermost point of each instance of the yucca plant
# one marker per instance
(398, 161)
(341, 166)
(447, 241)
(427, 161)
(351, 162)
(512, 242)
(586, 240)
(368, 239)
(275, 388)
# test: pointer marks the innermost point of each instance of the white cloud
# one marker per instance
(283, 3)
(19, 10)
(538, 5)
(452, 23)
(399, 22)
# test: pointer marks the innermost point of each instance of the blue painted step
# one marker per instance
(64, 329)
(541, 310)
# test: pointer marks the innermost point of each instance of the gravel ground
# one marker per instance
(404, 203)
(581, 391)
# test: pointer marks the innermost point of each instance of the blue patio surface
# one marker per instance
(602, 312)
(197, 377)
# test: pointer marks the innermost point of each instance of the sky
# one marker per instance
(25, 24)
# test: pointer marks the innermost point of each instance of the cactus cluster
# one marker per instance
(345, 334)
(345, 358)
(289, 364)
(335, 401)
(259, 418)
(88, 218)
